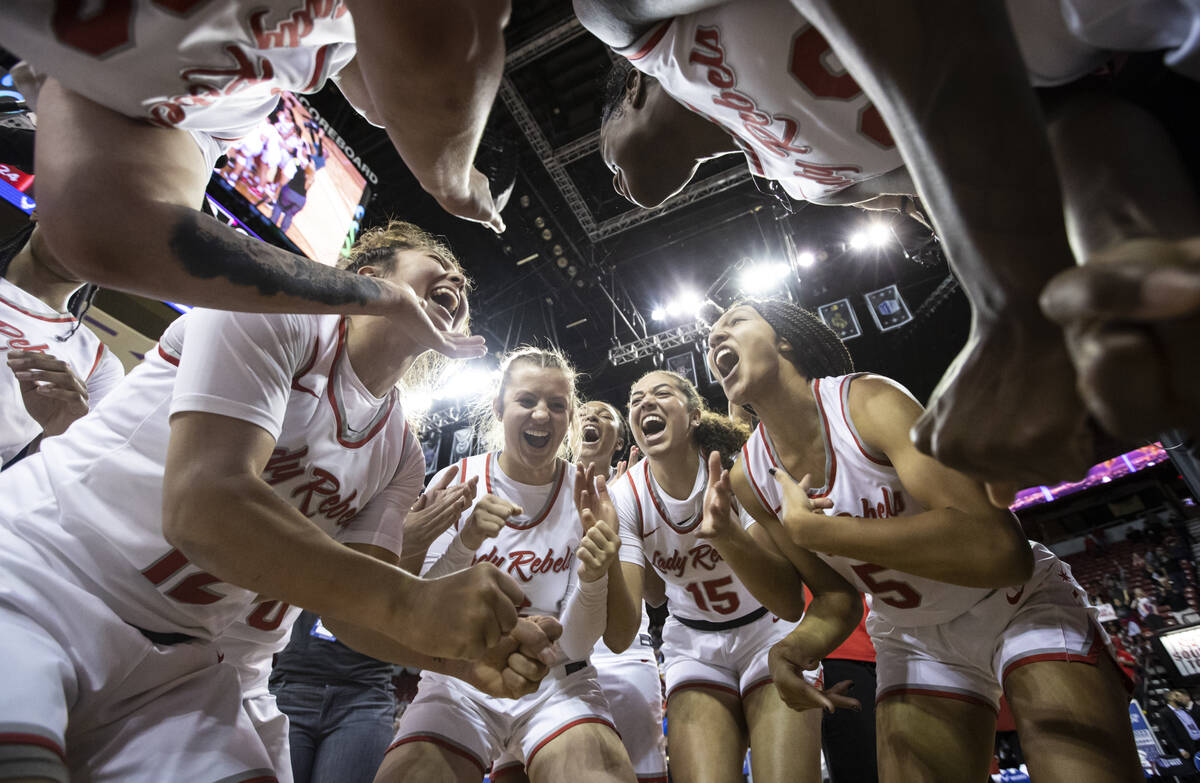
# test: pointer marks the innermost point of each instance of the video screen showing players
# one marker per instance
(296, 178)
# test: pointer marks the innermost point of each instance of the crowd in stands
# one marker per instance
(1149, 580)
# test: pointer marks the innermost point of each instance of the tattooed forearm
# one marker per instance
(206, 249)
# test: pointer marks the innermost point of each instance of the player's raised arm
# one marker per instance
(950, 82)
(960, 538)
(450, 54)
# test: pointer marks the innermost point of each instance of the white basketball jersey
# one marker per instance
(201, 65)
(1138, 26)
(344, 458)
(764, 74)
(537, 547)
(28, 324)
(861, 483)
(661, 530)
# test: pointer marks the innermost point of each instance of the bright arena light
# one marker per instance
(658, 314)
(875, 235)
(761, 277)
(806, 259)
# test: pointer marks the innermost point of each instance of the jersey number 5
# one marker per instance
(721, 603)
(892, 592)
(810, 52)
(99, 32)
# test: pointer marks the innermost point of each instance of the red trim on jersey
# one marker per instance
(652, 778)
(318, 68)
(1092, 656)
(757, 684)
(641, 513)
(18, 738)
(766, 504)
(172, 360)
(688, 685)
(559, 480)
(832, 467)
(507, 769)
(441, 743)
(305, 369)
(260, 779)
(61, 319)
(651, 42)
(333, 402)
(844, 397)
(560, 730)
(967, 697)
(95, 364)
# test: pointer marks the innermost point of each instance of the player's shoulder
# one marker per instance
(868, 396)
(618, 23)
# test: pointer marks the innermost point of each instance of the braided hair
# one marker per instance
(715, 432)
(614, 89)
(816, 351)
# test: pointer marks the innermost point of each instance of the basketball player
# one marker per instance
(696, 57)
(525, 521)
(55, 370)
(141, 97)
(630, 679)
(250, 454)
(720, 696)
(964, 607)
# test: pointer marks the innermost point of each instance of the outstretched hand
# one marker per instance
(799, 510)
(410, 312)
(438, 507)
(1133, 311)
(53, 394)
(718, 501)
(788, 660)
(980, 421)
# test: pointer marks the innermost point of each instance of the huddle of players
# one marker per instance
(268, 438)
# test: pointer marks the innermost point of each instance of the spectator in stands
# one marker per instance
(1147, 610)
(1178, 548)
(1155, 531)
(1175, 597)
(1181, 720)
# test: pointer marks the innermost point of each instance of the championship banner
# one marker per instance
(839, 316)
(463, 444)
(684, 364)
(888, 308)
(430, 445)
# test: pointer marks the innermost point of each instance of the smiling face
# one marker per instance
(437, 282)
(535, 412)
(744, 352)
(599, 433)
(659, 417)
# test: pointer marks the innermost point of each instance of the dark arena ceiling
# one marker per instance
(581, 267)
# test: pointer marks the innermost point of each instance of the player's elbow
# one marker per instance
(80, 240)
(193, 515)
(618, 642)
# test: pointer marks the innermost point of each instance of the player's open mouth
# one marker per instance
(539, 439)
(591, 433)
(652, 424)
(725, 360)
(447, 297)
